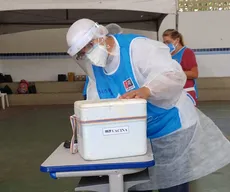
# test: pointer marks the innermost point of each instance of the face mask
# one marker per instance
(98, 56)
(172, 47)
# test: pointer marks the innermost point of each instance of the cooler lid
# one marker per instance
(107, 102)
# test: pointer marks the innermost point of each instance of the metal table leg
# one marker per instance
(3, 101)
(116, 183)
(7, 100)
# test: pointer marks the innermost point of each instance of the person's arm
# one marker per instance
(192, 74)
(165, 86)
(162, 76)
(189, 64)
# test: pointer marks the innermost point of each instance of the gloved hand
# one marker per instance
(142, 93)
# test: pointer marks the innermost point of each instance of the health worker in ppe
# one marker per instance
(112, 28)
(186, 144)
(186, 58)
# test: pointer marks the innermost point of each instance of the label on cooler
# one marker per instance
(115, 130)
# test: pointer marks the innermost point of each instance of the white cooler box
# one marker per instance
(111, 128)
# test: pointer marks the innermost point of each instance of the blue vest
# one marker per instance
(160, 121)
(178, 57)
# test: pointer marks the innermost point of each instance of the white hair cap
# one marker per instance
(81, 33)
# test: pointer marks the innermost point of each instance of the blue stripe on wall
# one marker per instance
(46, 55)
(63, 55)
(212, 51)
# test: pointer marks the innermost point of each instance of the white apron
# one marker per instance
(187, 155)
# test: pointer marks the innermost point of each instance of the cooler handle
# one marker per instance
(73, 146)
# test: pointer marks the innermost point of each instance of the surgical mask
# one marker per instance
(172, 47)
(98, 56)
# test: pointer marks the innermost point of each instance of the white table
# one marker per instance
(4, 97)
(61, 163)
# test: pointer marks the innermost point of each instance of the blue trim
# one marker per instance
(211, 49)
(213, 53)
(64, 55)
(45, 55)
(94, 167)
(53, 175)
(35, 54)
(194, 102)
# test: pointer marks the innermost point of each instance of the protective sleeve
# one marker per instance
(160, 73)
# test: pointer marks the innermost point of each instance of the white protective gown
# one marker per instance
(199, 147)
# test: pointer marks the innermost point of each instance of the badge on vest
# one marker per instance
(128, 84)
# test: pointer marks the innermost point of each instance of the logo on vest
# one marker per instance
(128, 84)
(115, 131)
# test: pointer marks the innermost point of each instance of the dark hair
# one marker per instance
(174, 34)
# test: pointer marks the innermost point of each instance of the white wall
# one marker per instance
(216, 65)
(169, 22)
(200, 30)
(54, 40)
(49, 40)
(165, 6)
(205, 29)
(208, 29)
(39, 69)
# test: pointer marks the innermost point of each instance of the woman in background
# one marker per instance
(186, 58)
(112, 28)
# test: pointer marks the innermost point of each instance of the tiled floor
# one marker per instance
(29, 134)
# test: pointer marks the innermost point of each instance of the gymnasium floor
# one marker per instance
(29, 134)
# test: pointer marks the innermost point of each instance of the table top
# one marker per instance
(61, 160)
